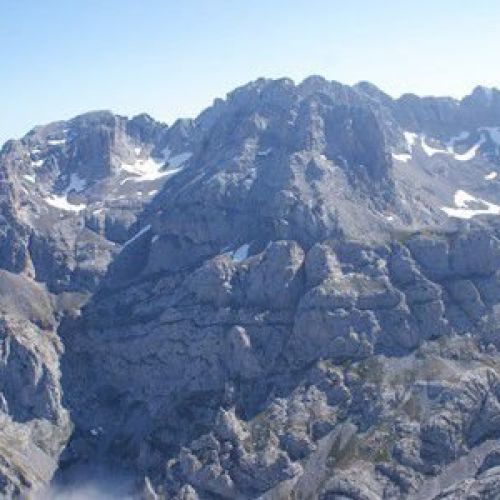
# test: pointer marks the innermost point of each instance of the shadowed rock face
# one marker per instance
(296, 293)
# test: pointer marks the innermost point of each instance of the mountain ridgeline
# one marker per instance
(294, 295)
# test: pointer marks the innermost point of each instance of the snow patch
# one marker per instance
(411, 139)
(145, 229)
(143, 170)
(462, 208)
(469, 155)
(491, 176)
(241, 253)
(37, 163)
(450, 147)
(56, 142)
(266, 152)
(462, 198)
(178, 160)
(429, 150)
(151, 169)
(76, 183)
(60, 201)
(403, 157)
(30, 178)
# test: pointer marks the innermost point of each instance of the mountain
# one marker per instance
(294, 295)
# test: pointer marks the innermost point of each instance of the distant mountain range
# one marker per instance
(294, 295)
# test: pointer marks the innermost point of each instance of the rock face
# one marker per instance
(268, 357)
(295, 295)
(34, 425)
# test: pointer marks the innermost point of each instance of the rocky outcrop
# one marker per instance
(34, 425)
(71, 193)
(281, 349)
(269, 300)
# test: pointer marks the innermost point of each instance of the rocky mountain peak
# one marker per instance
(294, 294)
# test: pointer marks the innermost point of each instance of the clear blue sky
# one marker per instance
(171, 58)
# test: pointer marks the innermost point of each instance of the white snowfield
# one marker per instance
(151, 169)
(471, 153)
(147, 169)
(37, 163)
(462, 208)
(410, 138)
(60, 201)
(467, 156)
(403, 157)
(56, 142)
(491, 176)
(430, 150)
(485, 133)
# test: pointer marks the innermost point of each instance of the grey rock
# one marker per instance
(263, 300)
